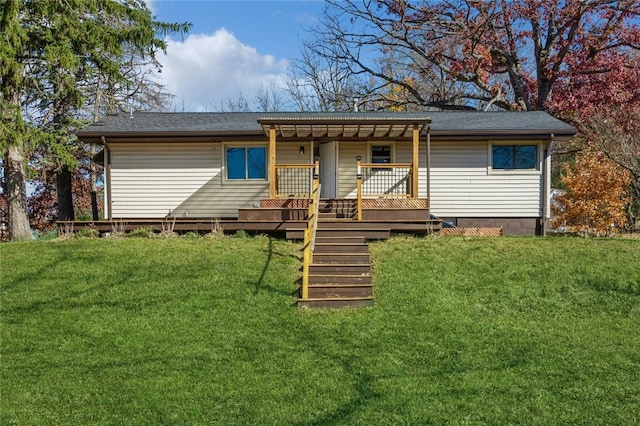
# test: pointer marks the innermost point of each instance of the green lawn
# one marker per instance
(203, 331)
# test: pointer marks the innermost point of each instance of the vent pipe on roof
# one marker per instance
(355, 105)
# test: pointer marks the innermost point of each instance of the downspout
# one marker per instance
(546, 185)
(107, 179)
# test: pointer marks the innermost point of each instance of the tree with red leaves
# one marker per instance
(578, 59)
(501, 54)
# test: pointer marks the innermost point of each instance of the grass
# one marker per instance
(203, 331)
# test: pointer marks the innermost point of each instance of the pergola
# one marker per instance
(345, 127)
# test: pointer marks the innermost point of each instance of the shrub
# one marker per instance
(217, 231)
(191, 234)
(167, 234)
(87, 233)
(85, 216)
(241, 233)
(47, 236)
(596, 196)
(141, 233)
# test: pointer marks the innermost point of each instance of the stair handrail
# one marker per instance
(310, 232)
(316, 213)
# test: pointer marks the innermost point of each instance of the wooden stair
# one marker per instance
(342, 208)
(340, 271)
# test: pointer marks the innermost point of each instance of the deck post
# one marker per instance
(429, 166)
(306, 262)
(416, 157)
(272, 162)
(359, 186)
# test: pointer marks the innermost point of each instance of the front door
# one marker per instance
(329, 169)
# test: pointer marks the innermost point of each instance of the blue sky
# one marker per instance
(233, 48)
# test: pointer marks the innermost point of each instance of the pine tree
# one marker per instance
(51, 52)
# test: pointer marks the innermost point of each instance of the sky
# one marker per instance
(232, 49)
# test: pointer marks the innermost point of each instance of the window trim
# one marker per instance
(225, 165)
(534, 171)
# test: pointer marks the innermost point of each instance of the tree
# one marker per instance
(322, 83)
(616, 134)
(52, 50)
(237, 104)
(267, 99)
(606, 110)
(574, 58)
(596, 195)
(13, 129)
(76, 186)
(270, 99)
(500, 54)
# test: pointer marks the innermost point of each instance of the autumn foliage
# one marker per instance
(43, 203)
(596, 196)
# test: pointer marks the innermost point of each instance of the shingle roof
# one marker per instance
(443, 123)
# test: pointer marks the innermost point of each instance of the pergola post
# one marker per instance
(416, 157)
(429, 165)
(272, 161)
(359, 186)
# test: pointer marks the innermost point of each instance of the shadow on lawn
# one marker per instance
(26, 278)
(608, 286)
(260, 283)
(64, 296)
(356, 371)
(365, 392)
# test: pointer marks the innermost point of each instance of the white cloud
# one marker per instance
(151, 5)
(205, 70)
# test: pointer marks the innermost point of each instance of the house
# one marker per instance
(470, 168)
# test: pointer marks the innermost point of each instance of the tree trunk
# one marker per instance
(65, 194)
(17, 195)
(94, 191)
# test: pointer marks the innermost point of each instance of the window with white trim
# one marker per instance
(514, 157)
(246, 162)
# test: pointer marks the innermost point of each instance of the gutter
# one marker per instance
(95, 137)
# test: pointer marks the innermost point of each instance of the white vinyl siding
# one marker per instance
(289, 153)
(462, 184)
(151, 180)
(404, 154)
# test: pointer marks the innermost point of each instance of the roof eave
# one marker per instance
(537, 133)
(93, 136)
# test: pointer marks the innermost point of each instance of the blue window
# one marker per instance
(515, 157)
(247, 162)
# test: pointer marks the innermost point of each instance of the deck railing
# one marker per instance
(379, 180)
(310, 236)
(294, 180)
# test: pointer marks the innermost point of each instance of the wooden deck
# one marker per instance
(285, 221)
(291, 229)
